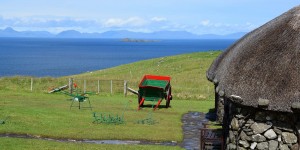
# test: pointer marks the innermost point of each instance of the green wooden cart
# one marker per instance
(155, 88)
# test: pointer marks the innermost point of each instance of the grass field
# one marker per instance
(49, 115)
(187, 71)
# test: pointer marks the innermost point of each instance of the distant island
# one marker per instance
(138, 40)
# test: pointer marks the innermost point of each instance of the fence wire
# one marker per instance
(28, 84)
(46, 84)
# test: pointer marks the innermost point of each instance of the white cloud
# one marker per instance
(136, 21)
(205, 22)
(51, 24)
(217, 27)
(113, 22)
(130, 22)
(158, 19)
(138, 24)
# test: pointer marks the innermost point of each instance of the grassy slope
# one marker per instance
(188, 73)
(49, 115)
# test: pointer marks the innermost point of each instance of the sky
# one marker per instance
(195, 16)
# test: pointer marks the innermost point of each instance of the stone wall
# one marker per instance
(219, 104)
(254, 128)
(220, 109)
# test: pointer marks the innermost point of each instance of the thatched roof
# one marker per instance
(263, 66)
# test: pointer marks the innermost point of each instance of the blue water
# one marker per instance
(61, 57)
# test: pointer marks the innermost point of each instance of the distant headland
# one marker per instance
(138, 40)
(128, 36)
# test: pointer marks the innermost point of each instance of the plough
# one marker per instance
(80, 97)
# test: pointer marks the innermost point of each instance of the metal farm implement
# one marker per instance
(75, 94)
(154, 88)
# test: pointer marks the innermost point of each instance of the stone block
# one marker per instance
(234, 124)
(259, 128)
(270, 134)
(249, 133)
(232, 137)
(263, 102)
(258, 138)
(236, 99)
(244, 136)
(231, 146)
(296, 105)
(253, 145)
(284, 147)
(245, 144)
(263, 146)
(273, 145)
(289, 138)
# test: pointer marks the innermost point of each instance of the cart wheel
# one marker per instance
(168, 98)
(139, 101)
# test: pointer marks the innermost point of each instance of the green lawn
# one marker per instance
(49, 115)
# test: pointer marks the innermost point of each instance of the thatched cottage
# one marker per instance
(257, 84)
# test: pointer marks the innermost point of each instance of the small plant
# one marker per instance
(109, 118)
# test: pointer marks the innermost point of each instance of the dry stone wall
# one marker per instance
(253, 128)
(219, 106)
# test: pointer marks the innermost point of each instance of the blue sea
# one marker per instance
(55, 57)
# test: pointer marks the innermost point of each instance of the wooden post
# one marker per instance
(71, 85)
(31, 85)
(98, 86)
(110, 86)
(125, 88)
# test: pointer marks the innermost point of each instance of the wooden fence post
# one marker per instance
(71, 85)
(111, 87)
(125, 88)
(31, 85)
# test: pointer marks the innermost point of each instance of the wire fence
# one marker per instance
(97, 86)
(46, 84)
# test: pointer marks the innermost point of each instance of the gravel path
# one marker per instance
(192, 122)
